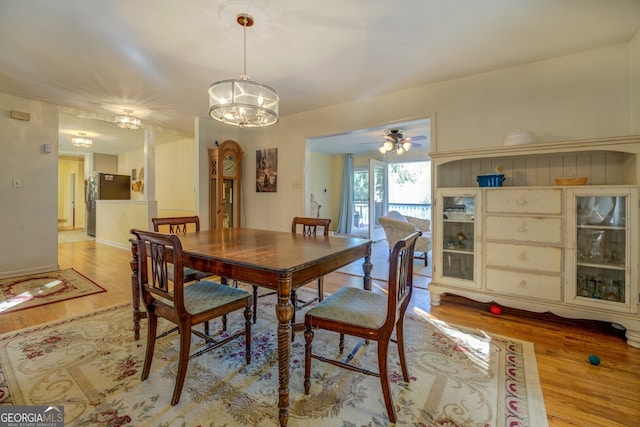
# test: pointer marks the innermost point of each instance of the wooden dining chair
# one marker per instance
(308, 227)
(370, 316)
(180, 225)
(185, 306)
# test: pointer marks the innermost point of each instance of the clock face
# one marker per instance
(229, 167)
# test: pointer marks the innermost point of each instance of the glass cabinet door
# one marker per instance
(602, 245)
(457, 237)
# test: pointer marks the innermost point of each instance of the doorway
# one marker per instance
(325, 165)
(71, 206)
(404, 187)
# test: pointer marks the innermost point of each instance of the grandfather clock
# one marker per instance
(225, 167)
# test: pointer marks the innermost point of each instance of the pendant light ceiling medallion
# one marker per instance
(243, 102)
(81, 141)
(128, 121)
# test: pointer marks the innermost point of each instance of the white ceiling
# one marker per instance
(158, 58)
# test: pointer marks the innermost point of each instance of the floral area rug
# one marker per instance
(18, 293)
(91, 365)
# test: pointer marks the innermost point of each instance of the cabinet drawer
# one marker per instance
(524, 229)
(543, 201)
(524, 257)
(530, 285)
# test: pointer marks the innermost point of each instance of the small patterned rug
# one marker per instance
(19, 293)
(91, 365)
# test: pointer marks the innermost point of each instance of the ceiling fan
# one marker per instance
(396, 143)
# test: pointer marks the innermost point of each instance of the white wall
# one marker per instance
(116, 218)
(321, 186)
(586, 95)
(634, 82)
(175, 177)
(28, 215)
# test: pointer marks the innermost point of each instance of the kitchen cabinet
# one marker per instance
(537, 246)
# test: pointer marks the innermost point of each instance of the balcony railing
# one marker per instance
(361, 212)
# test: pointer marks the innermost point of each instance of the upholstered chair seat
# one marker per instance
(367, 315)
(353, 306)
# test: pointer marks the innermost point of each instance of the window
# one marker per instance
(410, 188)
(360, 199)
(409, 192)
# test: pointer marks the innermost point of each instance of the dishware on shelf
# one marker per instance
(458, 215)
(583, 287)
(490, 180)
(612, 290)
(572, 180)
(596, 250)
(602, 210)
(520, 137)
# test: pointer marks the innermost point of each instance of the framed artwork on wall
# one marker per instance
(267, 170)
(137, 180)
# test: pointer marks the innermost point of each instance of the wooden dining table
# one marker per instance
(280, 261)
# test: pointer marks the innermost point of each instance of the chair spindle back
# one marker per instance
(177, 224)
(310, 225)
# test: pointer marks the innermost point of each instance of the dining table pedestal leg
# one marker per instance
(284, 314)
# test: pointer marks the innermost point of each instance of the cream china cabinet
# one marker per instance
(457, 236)
(533, 245)
(523, 244)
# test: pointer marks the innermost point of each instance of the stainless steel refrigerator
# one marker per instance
(104, 186)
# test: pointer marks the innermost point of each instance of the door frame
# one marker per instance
(378, 197)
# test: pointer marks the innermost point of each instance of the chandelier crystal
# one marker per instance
(242, 102)
(81, 141)
(128, 121)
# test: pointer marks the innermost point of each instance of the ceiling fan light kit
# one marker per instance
(128, 121)
(395, 143)
(243, 102)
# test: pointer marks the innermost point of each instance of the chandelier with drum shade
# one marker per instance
(243, 103)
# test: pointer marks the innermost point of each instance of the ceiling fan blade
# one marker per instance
(417, 138)
(413, 144)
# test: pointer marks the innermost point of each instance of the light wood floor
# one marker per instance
(575, 392)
